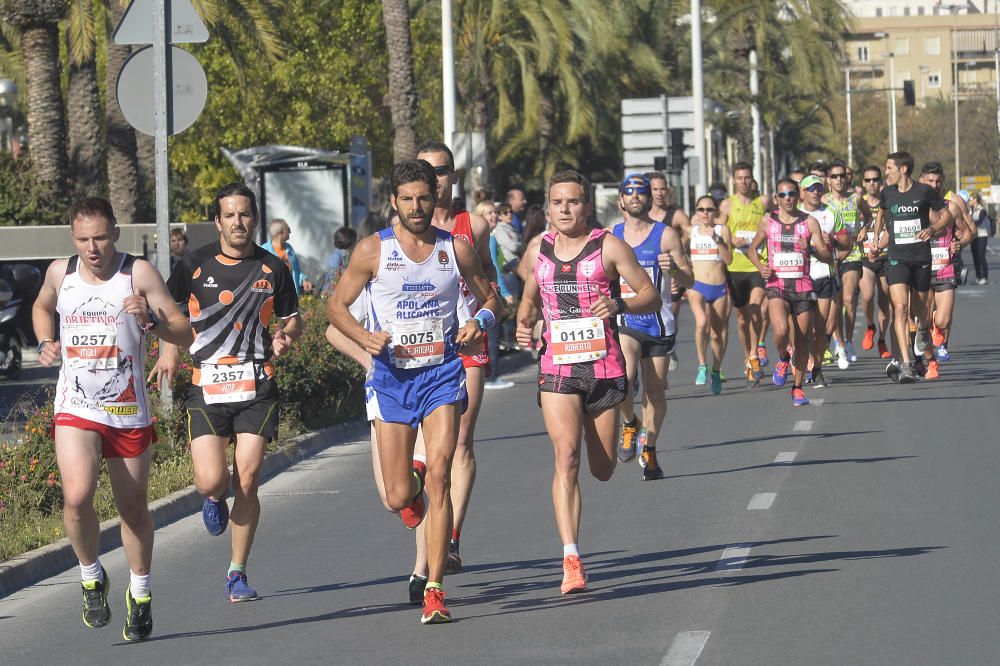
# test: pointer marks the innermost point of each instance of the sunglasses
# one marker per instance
(814, 188)
(838, 176)
(442, 170)
(629, 191)
(705, 210)
(787, 195)
(872, 180)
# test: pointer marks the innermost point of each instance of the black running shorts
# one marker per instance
(848, 266)
(598, 394)
(741, 284)
(877, 266)
(650, 346)
(824, 287)
(916, 274)
(257, 417)
(798, 302)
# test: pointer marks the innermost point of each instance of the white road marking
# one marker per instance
(785, 457)
(733, 557)
(761, 501)
(686, 648)
(816, 401)
(802, 426)
(300, 492)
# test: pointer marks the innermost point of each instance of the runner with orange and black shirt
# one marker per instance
(233, 288)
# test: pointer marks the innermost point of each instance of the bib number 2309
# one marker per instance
(228, 383)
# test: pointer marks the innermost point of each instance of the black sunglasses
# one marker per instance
(787, 195)
(872, 180)
(442, 170)
(838, 176)
(705, 210)
(629, 190)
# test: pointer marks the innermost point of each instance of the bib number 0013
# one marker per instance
(577, 340)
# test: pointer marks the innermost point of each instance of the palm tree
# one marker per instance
(123, 166)
(83, 100)
(38, 23)
(402, 95)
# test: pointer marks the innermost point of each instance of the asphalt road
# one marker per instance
(858, 530)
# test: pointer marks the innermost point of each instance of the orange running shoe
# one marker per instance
(883, 351)
(434, 610)
(937, 336)
(574, 576)
(932, 370)
(869, 340)
(413, 515)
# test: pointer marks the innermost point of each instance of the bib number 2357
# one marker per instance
(228, 383)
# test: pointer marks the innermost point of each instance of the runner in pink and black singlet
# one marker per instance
(789, 234)
(581, 375)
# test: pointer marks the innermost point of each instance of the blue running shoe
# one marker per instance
(702, 377)
(780, 374)
(942, 354)
(799, 398)
(716, 382)
(237, 588)
(762, 355)
(215, 514)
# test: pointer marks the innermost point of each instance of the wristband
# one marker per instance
(42, 343)
(485, 318)
(620, 304)
(153, 322)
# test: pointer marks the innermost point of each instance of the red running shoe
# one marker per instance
(574, 575)
(434, 610)
(937, 336)
(932, 370)
(883, 351)
(413, 515)
(869, 340)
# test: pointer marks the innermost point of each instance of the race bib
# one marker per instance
(627, 290)
(228, 383)
(417, 344)
(904, 232)
(940, 258)
(788, 265)
(704, 249)
(577, 340)
(91, 346)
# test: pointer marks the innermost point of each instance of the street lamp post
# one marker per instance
(698, 93)
(850, 136)
(892, 91)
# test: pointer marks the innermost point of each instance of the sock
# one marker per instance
(570, 549)
(236, 567)
(433, 585)
(797, 386)
(92, 571)
(138, 585)
(420, 457)
(454, 535)
(630, 423)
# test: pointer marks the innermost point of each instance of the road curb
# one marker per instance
(29, 568)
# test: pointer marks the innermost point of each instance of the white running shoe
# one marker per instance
(672, 365)
(851, 356)
(842, 361)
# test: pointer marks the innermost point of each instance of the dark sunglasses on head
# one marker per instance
(814, 188)
(787, 195)
(838, 176)
(630, 190)
(872, 180)
(705, 210)
(442, 170)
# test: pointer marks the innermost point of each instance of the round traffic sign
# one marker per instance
(188, 88)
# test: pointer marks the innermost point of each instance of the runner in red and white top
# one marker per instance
(107, 302)
(475, 231)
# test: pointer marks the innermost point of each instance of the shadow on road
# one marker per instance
(772, 438)
(796, 463)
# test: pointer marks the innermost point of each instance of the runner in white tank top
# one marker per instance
(107, 302)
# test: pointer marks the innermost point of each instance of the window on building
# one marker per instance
(932, 45)
(863, 55)
(934, 79)
(920, 11)
(893, 11)
(878, 11)
(906, 11)
(902, 46)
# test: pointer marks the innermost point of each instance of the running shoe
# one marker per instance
(626, 441)
(883, 350)
(982, 281)
(869, 340)
(716, 382)
(702, 377)
(851, 354)
(672, 365)
(827, 357)
(919, 367)
(937, 336)
(907, 374)
(413, 515)
(651, 470)
(748, 374)
(755, 366)
(237, 588)
(139, 622)
(416, 589)
(942, 354)
(819, 381)
(454, 563)
(96, 611)
(799, 398)
(762, 355)
(920, 341)
(932, 370)
(215, 515)
(574, 575)
(498, 384)
(842, 361)
(780, 374)
(434, 610)
(892, 370)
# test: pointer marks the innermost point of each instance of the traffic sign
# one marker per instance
(188, 90)
(184, 26)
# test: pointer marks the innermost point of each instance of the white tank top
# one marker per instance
(418, 303)
(704, 248)
(102, 376)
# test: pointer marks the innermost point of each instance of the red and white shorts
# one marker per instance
(480, 360)
(115, 442)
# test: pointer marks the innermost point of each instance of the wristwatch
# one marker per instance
(42, 343)
(153, 322)
(620, 304)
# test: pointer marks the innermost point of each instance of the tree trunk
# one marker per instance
(123, 170)
(46, 117)
(402, 96)
(546, 125)
(86, 146)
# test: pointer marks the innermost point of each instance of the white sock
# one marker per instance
(570, 549)
(421, 457)
(138, 585)
(92, 571)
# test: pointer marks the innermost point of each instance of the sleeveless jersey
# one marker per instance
(568, 289)
(463, 230)
(102, 376)
(850, 214)
(941, 264)
(742, 222)
(417, 303)
(657, 324)
(703, 247)
(869, 240)
(829, 223)
(788, 254)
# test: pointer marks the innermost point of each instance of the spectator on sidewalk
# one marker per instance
(279, 246)
(983, 232)
(518, 203)
(344, 240)
(487, 210)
